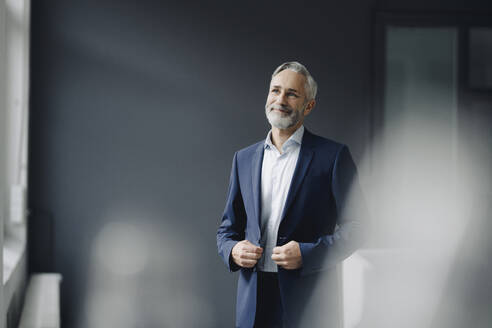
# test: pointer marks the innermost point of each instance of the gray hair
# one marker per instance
(311, 85)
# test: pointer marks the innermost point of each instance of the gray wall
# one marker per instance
(136, 111)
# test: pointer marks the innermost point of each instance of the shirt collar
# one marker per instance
(296, 137)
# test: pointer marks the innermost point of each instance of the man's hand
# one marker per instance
(245, 254)
(288, 256)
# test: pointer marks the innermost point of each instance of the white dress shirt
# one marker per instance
(276, 176)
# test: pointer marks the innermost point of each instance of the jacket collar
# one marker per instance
(305, 155)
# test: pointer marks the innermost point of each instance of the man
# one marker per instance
(287, 220)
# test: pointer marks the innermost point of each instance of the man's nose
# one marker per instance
(281, 99)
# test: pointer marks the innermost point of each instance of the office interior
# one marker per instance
(120, 119)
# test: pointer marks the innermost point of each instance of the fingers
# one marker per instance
(285, 248)
(278, 257)
(247, 263)
(246, 254)
(247, 260)
(286, 263)
(249, 256)
(249, 247)
(286, 256)
(252, 249)
(281, 250)
(281, 260)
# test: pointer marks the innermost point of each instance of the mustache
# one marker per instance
(283, 108)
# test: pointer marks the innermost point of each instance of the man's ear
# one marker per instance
(309, 107)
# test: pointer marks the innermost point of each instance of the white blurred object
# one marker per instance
(42, 302)
(354, 269)
(140, 276)
(122, 248)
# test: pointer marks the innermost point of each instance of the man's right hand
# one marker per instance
(246, 254)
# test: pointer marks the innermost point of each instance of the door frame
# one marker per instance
(463, 21)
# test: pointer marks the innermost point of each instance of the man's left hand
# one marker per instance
(288, 256)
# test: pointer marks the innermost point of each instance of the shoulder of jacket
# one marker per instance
(249, 149)
(323, 143)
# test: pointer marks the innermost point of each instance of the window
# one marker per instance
(14, 82)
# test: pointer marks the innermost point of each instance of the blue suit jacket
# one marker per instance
(323, 212)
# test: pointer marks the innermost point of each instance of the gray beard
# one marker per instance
(282, 121)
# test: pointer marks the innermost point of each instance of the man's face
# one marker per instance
(286, 99)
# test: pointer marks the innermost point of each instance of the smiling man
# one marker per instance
(294, 210)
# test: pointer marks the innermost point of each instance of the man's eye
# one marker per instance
(292, 94)
(275, 90)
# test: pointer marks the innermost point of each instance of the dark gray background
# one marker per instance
(138, 107)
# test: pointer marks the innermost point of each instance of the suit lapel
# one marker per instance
(305, 156)
(256, 177)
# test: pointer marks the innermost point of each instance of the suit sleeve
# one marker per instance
(231, 229)
(329, 250)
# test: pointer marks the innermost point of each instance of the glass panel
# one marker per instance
(420, 102)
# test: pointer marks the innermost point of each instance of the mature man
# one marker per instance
(292, 214)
